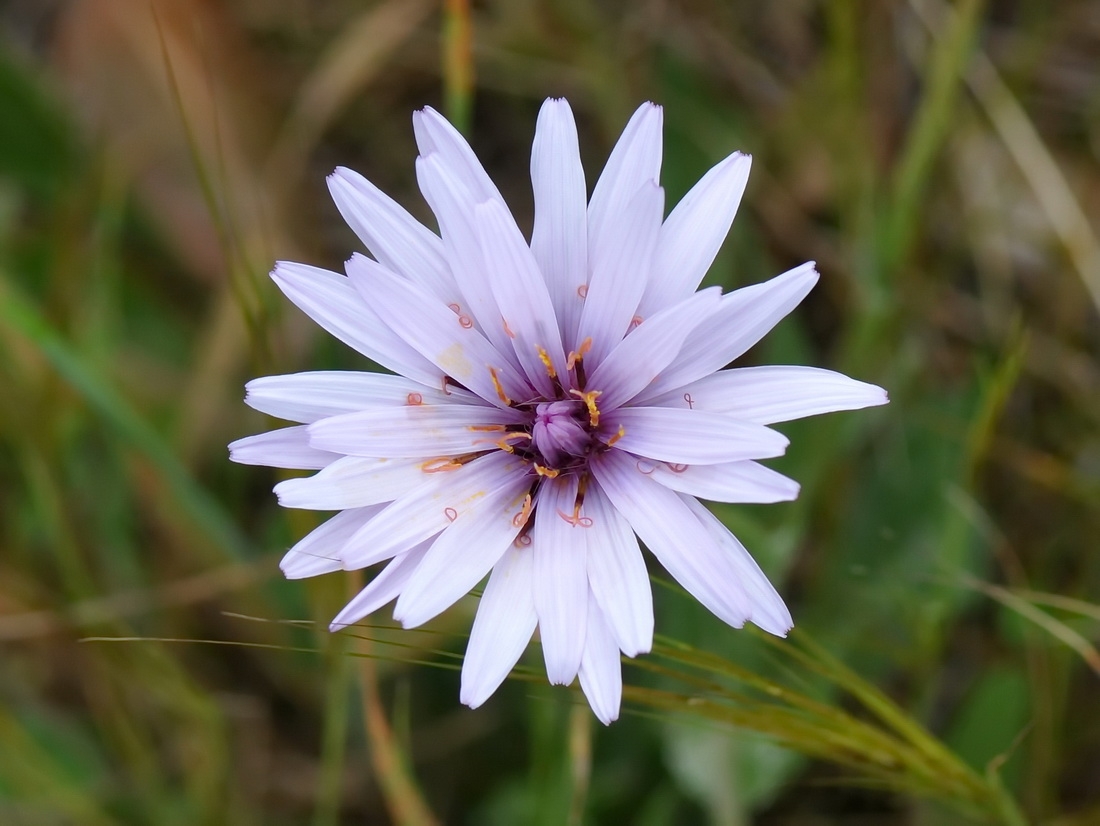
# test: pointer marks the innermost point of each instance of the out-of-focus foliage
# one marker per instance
(940, 161)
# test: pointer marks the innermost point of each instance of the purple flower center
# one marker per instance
(561, 432)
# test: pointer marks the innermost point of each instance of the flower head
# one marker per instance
(551, 403)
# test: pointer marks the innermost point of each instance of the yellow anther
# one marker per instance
(520, 519)
(544, 357)
(617, 436)
(499, 387)
(589, 399)
(549, 473)
(579, 353)
(486, 428)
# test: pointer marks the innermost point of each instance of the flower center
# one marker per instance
(561, 432)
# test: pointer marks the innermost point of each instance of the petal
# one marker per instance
(766, 607)
(287, 447)
(671, 531)
(634, 162)
(617, 576)
(691, 437)
(444, 337)
(561, 578)
(693, 233)
(351, 482)
(429, 508)
(463, 554)
(502, 628)
(423, 430)
(396, 239)
(318, 552)
(619, 270)
(435, 135)
(559, 240)
(331, 301)
(601, 670)
(743, 317)
(650, 348)
(384, 588)
(767, 395)
(307, 397)
(454, 205)
(526, 310)
(741, 482)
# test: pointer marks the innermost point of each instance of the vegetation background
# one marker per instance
(940, 162)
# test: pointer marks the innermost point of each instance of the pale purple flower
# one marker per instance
(553, 403)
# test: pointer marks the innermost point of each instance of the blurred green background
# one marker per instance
(938, 160)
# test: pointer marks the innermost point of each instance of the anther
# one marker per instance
(499, 387)
(549, 473)
(520, 519)
(690, 401)
(544, 357)
(645, 467)
(634, 322)
(440, 465)
(621, 432)
(451, 514)
(507, 330)
(582, 291)
(589, 400)
(677, 468)
(414, 399)
(578, 354)
(464, 321)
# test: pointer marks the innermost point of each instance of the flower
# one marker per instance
(551, 404)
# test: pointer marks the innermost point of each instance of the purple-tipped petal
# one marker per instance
(503, 626)
(768, 395)
(617, 576)
(285, 448)
(601, 670)
(561, 578)
(693, 233)
(559, 240)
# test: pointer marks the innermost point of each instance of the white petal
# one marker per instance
(502, 628)
(307, 397)
(619, 269)
(384, 588)
(767, 395)
(741, 482)
(435, 135)
(559, 240)
(318, 552)
(454, 205)
(634, 162)
(463, 554)
(767, 609)
(640, 357)
(743, 317)
(692, 437)
(561, 578)
(351, 482)
(526, 310)
(441, 335)
(422, 430)
(601, 670)
(330, 300)
(617, 576)
(429, 508)
(287, 447)
(676, 537)
(393, 236)
(693, 233)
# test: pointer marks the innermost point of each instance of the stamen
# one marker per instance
(582, 291)
(645, 467)
(440, 465)
(589, 399)
(451, 514)
(499, 387)
(544, 357)
(520, 519)
(414, 399)
(522, 541)
(634, 322)
(576, 520)
(677, 468)
(617, 436)
(486, 428)
(549, 473)
(507, 330)
(690, 401)
(578, 354)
